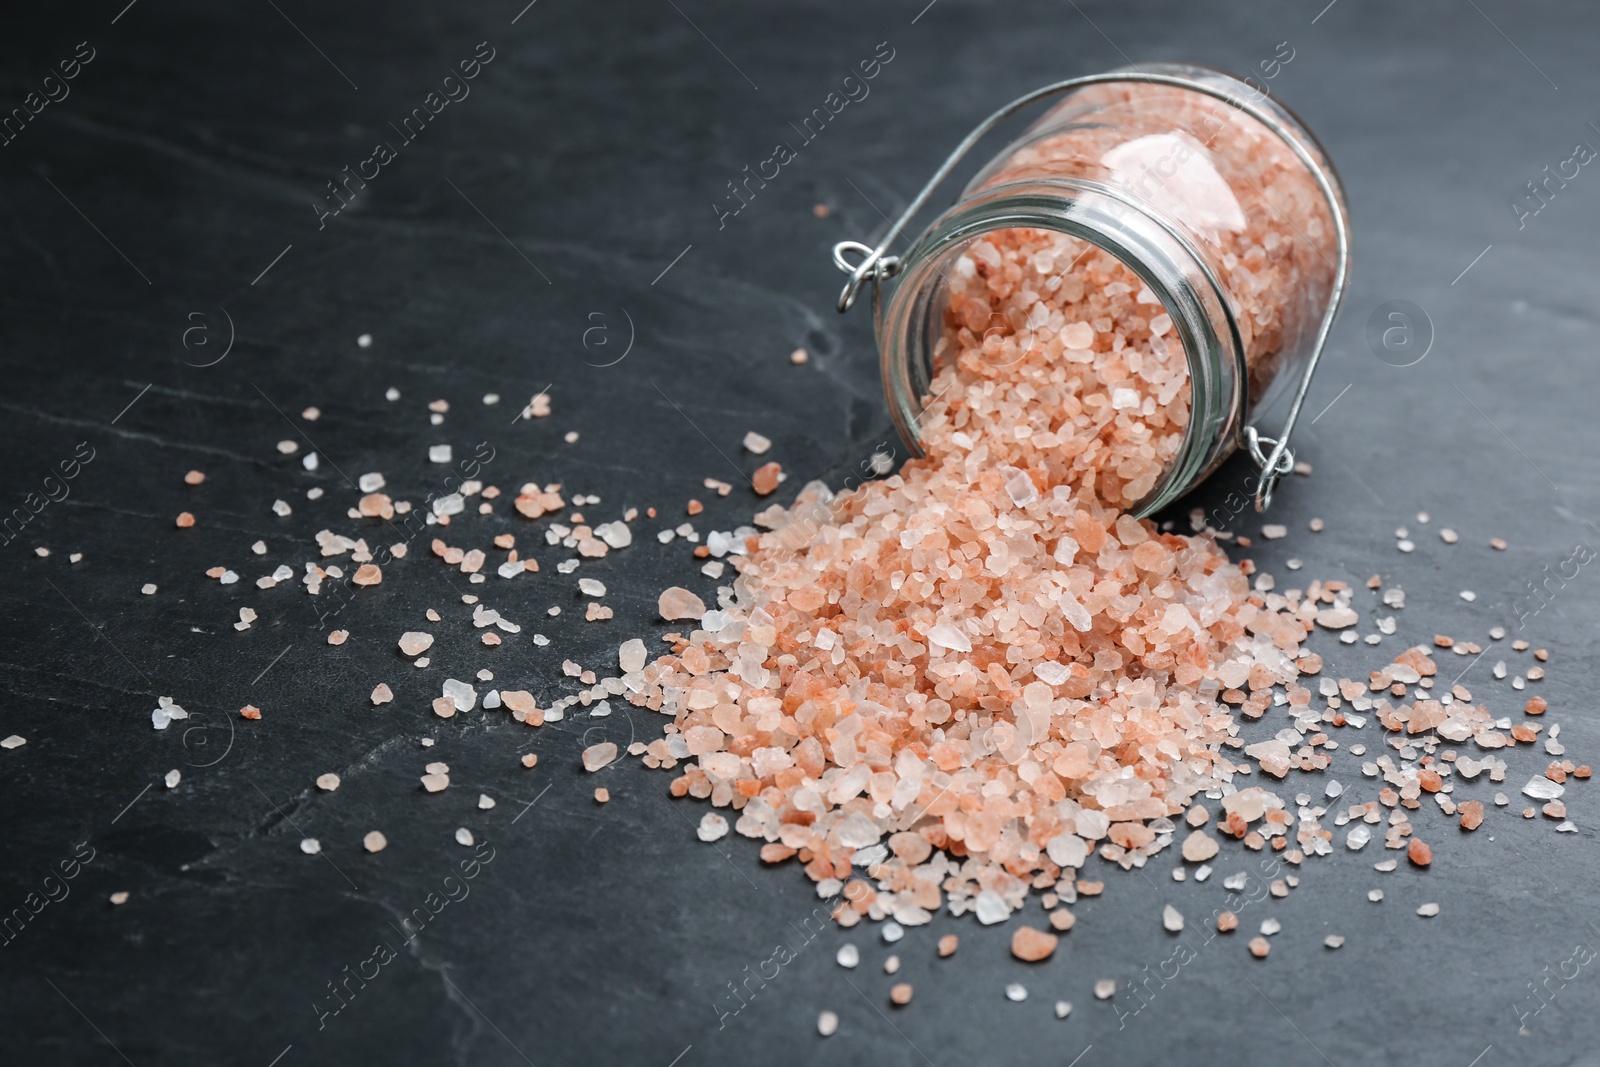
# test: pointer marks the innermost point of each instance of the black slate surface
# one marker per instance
(167, 203)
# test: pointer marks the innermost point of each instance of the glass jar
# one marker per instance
(1218, 202)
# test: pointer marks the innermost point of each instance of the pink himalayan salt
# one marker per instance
(835, 706)
(678, 603)
(597, 756)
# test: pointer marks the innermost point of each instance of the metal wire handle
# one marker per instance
(877, 266)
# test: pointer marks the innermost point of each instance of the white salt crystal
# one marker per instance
(991, 908)
(949, 636)
(1541, 788)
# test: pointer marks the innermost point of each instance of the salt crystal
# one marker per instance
(1063, 1009)
(949, 636)
(754, 442)
(1541, 788)
(413, 642)
(461, 694)
(464, 836)
(991, 908)
(14, 741)
(1428, 911)
(1016, 992)
(310, 846)
(678, 603)
(1051, 673)
(598, 756)
(848, 955)
(173, 778)
(1171, 920)
(827, 1024)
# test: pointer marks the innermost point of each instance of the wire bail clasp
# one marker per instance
(874, 264)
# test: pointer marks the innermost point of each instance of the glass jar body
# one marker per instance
(1214, 215)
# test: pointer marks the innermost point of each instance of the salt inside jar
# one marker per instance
(1158, 260)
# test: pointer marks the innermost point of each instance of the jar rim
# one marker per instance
(1162, 258)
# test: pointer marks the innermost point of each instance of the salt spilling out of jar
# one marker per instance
(969, 677)
(980, 663)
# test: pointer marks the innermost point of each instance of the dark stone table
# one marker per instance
(181, 280)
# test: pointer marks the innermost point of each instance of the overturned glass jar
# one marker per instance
(1215, 204)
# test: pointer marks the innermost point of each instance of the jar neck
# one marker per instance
(1177, 274)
